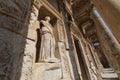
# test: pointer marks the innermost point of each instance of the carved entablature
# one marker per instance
(16, 9)
(85, 26)
(75, 29)
(89, 31)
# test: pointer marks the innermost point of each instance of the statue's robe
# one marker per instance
(47, 42)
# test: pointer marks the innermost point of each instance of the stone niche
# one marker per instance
(43, 12)
(44, 70)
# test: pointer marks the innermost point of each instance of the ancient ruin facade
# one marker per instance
(59, 40)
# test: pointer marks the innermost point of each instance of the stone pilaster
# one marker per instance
(30, 46)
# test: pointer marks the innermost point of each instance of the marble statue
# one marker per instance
(47, 42)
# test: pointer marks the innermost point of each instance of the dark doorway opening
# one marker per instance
(81, 60)
(101, 54)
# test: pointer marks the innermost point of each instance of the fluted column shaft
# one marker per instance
(107, 38)
(110, 9)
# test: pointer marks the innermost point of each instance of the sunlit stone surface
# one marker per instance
(71, 43)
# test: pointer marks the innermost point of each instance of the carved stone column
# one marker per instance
(110, 9)
(108, 41)
(62, 50)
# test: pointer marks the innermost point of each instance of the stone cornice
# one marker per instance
(47, 5)
(75, 29)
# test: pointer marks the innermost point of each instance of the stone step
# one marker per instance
(109, 75)
(108, 69)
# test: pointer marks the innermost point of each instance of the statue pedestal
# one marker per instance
(47, 71)
(67, 79)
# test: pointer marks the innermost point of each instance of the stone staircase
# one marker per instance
(109, 74)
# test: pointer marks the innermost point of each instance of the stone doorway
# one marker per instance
(81, 60)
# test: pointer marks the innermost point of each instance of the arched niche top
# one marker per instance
(43, 12)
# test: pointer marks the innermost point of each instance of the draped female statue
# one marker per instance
(47, 42)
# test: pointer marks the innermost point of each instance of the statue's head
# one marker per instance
(47, 18)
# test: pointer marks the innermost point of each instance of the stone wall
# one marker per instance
(14, 16)
(20, 43)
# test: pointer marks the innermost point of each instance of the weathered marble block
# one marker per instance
(47, 71)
